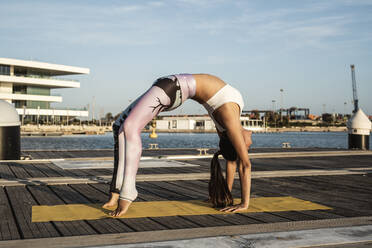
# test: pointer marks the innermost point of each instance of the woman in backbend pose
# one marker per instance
(224, 105)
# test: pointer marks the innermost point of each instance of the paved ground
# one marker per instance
(339, 180)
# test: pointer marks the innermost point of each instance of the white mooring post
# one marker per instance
(359, 129)
(10, 138)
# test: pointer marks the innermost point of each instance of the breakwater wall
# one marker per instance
(59, 130)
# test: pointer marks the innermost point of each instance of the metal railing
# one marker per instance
(44, 77)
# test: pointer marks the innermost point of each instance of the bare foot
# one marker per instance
(121, 209)
(112, 202)
(247, 135)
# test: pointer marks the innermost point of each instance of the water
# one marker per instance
(188, 140)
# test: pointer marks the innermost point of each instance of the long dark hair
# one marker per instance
(219, 193)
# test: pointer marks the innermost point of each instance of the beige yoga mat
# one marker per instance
(71, 212)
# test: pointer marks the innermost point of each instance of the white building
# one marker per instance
(185, 123)
(27, 85)
(203, 122)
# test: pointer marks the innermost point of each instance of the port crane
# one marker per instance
(355, 96)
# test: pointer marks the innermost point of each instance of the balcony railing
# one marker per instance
(45, 77)
(57, 108)
(66, 108)
(35, 94)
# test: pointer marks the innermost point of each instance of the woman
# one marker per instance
(224, 105)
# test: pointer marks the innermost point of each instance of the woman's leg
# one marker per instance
(117, 178)
(114, 190)
(150, 104)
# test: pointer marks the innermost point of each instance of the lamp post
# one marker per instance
(274, 112)
(345, 103)
(93, 110)
(281, 105)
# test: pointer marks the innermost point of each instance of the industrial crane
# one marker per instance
(355, 96)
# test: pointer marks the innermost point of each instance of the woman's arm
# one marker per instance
(245, 171)
(229, 115)
(230, 173)
(245, 183)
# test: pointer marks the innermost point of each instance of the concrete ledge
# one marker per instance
(167, 235)
(178, 177)
(197, 156)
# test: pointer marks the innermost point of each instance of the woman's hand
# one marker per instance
(235, 208)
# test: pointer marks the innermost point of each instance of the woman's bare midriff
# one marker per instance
(206, 86)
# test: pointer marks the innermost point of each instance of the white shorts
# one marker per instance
(224, 95)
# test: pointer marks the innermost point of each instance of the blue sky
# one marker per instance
(304, 47)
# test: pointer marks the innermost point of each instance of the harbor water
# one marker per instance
(188, 140)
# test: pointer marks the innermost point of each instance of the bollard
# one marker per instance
(10, 140)
(359, 128)
(153, 135)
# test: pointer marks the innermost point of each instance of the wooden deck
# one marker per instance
(348, 195)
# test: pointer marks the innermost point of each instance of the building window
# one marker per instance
(174, 123)
(4, 70)
(38, 91)
(199, 125)
(38, 104)
(17, 89)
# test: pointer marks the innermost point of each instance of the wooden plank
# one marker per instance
(346, 212)
(142, 194)
(71, 196)
(47, 170)
(175, 222)
(179, 190)
(33, 170)
(5, 171)
(206, 220)
(350, 182)
(204, 163)
(21, 202)
(111, 225)
(194, 186)
(143, 224)
(329, 197)
(332, 186)
(149, 170)
(294, 215)
(45, 196)
(156, 190)
(322, 214)
(55, 169)
(237, 219)
(85, 172)
(266, 217)
(103, 187)
(92, 194)
(311, 194)
(68, 195)
(182, 170)
(18, 170)
(148, 196)
(78, 173)
(100, 172)
(8, 226)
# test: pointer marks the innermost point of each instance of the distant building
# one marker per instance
(185, 123)
(202, 123)
(27, 85)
